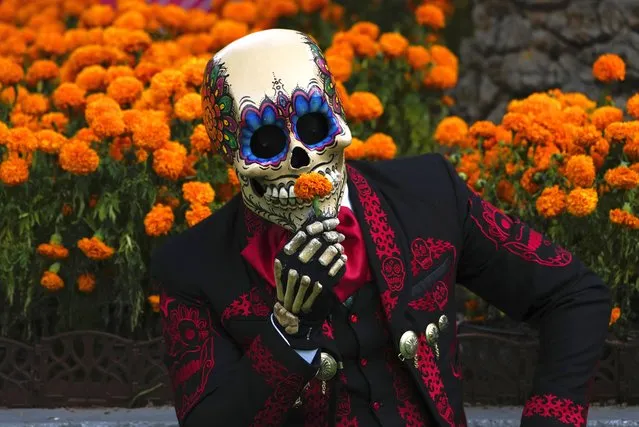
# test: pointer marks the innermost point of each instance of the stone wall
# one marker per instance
(522, 46)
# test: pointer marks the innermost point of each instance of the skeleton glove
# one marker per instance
(306, 271)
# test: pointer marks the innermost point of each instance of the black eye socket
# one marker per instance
(312, 128)
(268, 141)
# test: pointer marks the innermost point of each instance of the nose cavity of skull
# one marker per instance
(299, 158)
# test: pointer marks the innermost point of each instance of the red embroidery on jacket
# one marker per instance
(431, 377)
(383, 236)
(406, 406)
(343, 411)
(327, 330)
(253, 223)
(286, 386)
(247, 304)
(188, 336)
(563, 410)
(514, 236)
(425, 253)
(434, 299)
(316, 404)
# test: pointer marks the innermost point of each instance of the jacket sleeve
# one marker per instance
(212, 377)
(521, 272)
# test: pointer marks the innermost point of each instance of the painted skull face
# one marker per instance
(271, 110)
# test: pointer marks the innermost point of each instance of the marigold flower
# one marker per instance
(587, 136)
(418, 57)
(78, 158)
(624, 219)
(231, 176)
(380, 146)
(506, 191)
(341, 68)
(40, 70)
(86, 283)
(193, 71)
(342, 50)
(615, 314)
(551, 202)
(168, 83)
(198, 192)
(632, 106)
(50, 141)
(130, 20)
(115, 71)
(441, 77)
(68, 95)
(91, 78)
(355, 150)
(311, 6)
(243, 11)
(622, 177)
(153, 135)
(145, 71)
(159, 220)
(131, 41)
(196, 214)
(580, 170)
(98, 16)
(365, 46)
(189, 107)
(608, 68)
(169, 161)
(365, 28)
(125, 90)
(200, 141)
(53, 251)
(21, 140)
(577, 99)
(452, 131)
(225, 31)
(603, 116)
(105, 117)
(527, 180)
(582, 201)
(34, 104)
(393, 44)
(10, 72)
(364, 106)
(631, 149)
(430, 16)
(441, 55)
(14, 171)
(51, 281)
(95, 249)
(575, 115)
(482, 129)
(311, 185)
(154, 302)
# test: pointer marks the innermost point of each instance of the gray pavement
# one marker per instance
(165, 417)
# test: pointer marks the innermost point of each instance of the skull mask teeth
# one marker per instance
(278, 123)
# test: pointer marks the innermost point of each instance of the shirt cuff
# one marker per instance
(307, 355)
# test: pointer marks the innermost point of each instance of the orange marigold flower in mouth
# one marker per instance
(311, 185)
(95, 249)
(159, 220)
(609, 68)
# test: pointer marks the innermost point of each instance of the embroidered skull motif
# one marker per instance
(271, 109)
(393, 271)
(421, 253)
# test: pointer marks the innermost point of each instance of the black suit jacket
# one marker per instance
(425, 231)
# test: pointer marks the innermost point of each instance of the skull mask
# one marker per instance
(271, 110)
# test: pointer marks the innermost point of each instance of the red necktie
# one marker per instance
(262, 248)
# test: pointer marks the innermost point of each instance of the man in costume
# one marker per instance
(272, 316)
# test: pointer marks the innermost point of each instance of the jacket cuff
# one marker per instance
(549, 410)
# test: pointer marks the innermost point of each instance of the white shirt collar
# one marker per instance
(346, 202)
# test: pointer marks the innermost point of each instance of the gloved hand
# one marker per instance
(306, 270)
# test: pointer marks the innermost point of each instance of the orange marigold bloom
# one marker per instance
(482, 129)
(575, 115)
(168, 83)
(430, 16)
(78, 158)
(534, 104)
(622, 177)
(98, 16)
(42, 69)
(542, 155)
(623, 218)
(159, 220)
(68, 95)
(527, 180)
(115, 71)
(355, 150)
(340, 67)
(441, 77)
(380, 146)
(169, 161)
(10, 72)
(50, 141)
(515, 122)
(243, 11)
(225, 31)
(365, 46)
(105, 117)
(577, 99)
(131, 41)
(342, 50)
(603, 116)
(609, 68)
(189, 107)
(51, 281)
(443, 56)
(418, 57)
(86, 283)
(196, 214)
(452, 131)
(551, 202)
(154, 302)
(615, 314)
(53, 251)
(14, 171)
(310, 6)
(95, 249)
(621, 131)
(582, 201)
(363, 106)
(198, 192)
(366, 28)
(130, 20)
(506, 191)
(34, 104)
(91, 78)
(193, 71)
(152, 135)
(632, 106)
(580, 170)
(393, 44)
(631, 149)
(21, 139)
(200, 141)
(587, 136)
(311, 185)
(125, 90)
